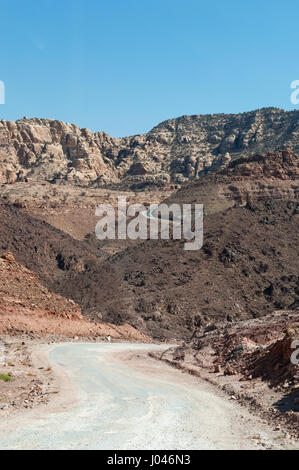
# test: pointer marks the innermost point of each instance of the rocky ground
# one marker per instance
(26, 377)
(106, 392)
(25, 383)
(27, 380)
(251, 362)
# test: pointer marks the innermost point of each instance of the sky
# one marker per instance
(123, 66)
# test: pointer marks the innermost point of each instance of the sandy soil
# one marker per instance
(26, 366)
(32, 380)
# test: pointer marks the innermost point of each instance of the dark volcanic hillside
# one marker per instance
(51, 253)
(71, 268)
(41, 247)
(248, 266)
(176, 150)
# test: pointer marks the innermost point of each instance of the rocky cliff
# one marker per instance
(175, 151)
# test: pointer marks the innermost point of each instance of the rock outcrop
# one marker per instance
(175, 151)
(253, 361)
(245, 180)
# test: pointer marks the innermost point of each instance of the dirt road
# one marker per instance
(113, 396)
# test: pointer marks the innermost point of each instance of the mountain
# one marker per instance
(247, 268)
(27, 306)
(175, 151)
(248, 265)
(35, 259)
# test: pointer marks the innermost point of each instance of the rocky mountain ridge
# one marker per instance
(175, 151)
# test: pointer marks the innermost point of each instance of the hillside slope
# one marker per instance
(27, 306)
(60, 261)
(247, 267)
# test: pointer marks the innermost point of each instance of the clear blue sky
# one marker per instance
(123, 66)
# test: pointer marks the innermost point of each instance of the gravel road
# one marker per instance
(113, 396)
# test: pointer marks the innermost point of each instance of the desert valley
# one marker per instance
(229, 312)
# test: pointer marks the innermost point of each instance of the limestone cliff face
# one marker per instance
(51, 150)
(175, 151)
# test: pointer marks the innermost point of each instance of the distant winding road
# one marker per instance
(113, 396)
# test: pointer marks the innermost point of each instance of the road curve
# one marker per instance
(113, 396)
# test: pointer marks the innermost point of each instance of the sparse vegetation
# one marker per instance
(6, 377)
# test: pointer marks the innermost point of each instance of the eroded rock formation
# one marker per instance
(175, 151)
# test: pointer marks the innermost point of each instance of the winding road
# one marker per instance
(113, 396)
